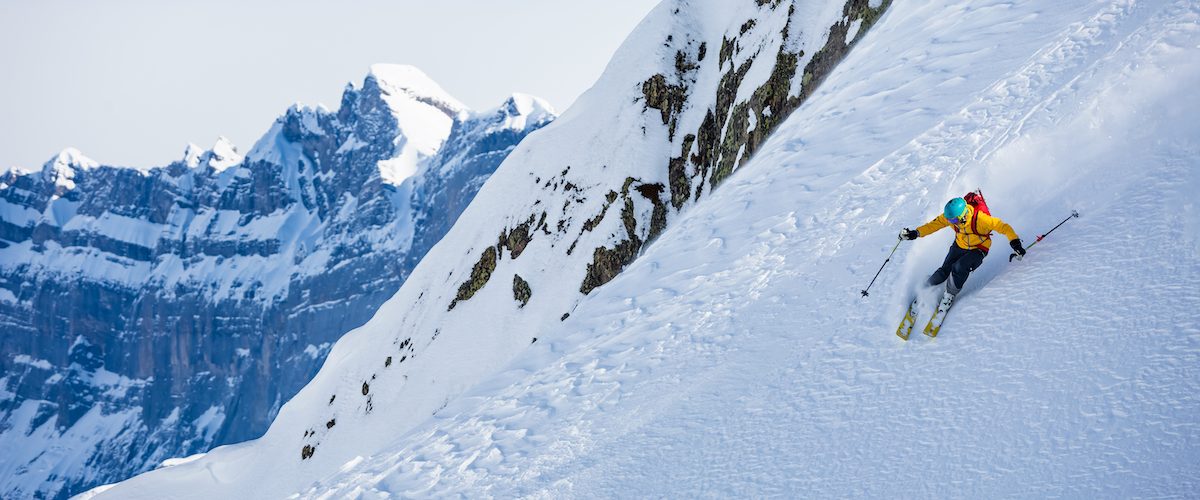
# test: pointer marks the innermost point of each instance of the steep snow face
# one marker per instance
(692, 93)
(151, 314)
(736, 357)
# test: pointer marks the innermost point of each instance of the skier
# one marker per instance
(973, 226)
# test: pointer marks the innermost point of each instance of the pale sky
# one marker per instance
(131, 82)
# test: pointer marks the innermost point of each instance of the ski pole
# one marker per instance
(1074, 215)
(885, 263)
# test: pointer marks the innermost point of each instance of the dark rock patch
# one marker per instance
(608, 262)
(521, 290)
(480, 274)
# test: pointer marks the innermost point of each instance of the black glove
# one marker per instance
(1016, 246)
(909, 234)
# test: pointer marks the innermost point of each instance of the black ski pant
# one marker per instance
(958, 265)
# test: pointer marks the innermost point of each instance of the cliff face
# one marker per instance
(151, 314)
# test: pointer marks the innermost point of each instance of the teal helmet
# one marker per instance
(955, 209)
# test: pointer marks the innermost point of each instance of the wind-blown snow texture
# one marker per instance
(736, 358)
(152, 314)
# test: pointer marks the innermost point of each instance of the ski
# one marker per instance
(909, 321)
(939, 315)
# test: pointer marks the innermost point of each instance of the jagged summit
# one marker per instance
(527, 107)
(192, 154)
(240, 272)
(398, 80)
(71, 157)
(62, 167)
(222, 155)
(405, 98)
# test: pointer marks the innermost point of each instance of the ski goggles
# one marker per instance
(955, 220)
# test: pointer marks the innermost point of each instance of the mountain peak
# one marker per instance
(532, 107)
(61, 169)
(192, 155)
(519, 111)
(409, 81)
(423, 114)
(222, 155)
(72, 157)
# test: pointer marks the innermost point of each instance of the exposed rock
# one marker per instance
(480, 274)
(590, 224)
(521, 291)
(517, 238)
(607, 263)
(680, 182)
(731, 131)
(666, 98)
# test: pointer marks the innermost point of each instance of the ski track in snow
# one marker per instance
(736, 358)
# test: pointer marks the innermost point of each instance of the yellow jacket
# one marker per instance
(975, 230)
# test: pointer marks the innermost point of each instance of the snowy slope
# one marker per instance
(736, 358)
(689, 96)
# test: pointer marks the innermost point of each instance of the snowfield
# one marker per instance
(736, 357)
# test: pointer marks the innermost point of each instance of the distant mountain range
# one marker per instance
(153, 314)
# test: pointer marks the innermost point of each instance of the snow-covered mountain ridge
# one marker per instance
(690, 95)
(736, 358)
(156, 313)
